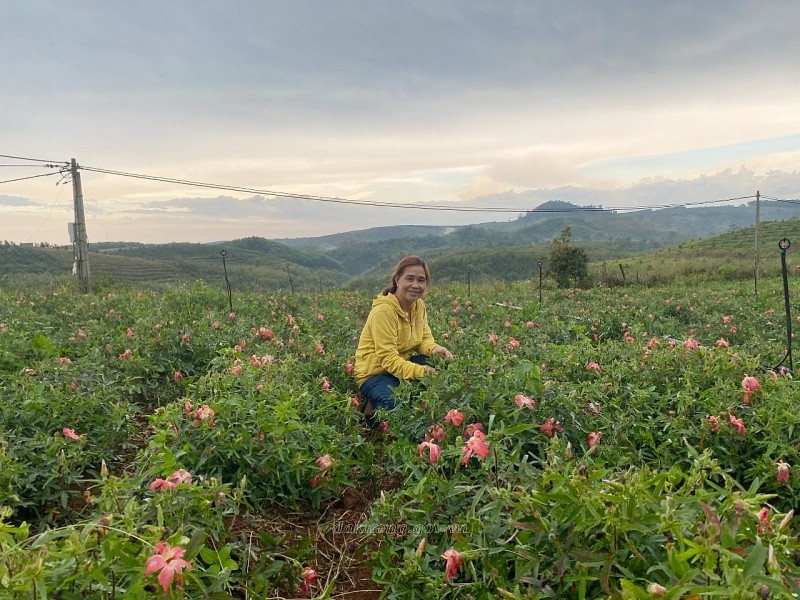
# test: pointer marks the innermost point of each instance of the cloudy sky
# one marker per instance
(437, 103)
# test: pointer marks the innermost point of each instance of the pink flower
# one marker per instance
(739, 424)
(70, 433)
(187, 408)
(436, 433)
(472, 428)
(324, 462)
(750, 385)
(125, 355)
(162, 485)
(205, 413)
(593, 439)
(177, 376)
(384, 426)
(169, 561)
(726, 319)
(453, 558)
(691, 344)
(454, 417)
(493, 338)
(723, 343)
(512, 344)
(521, 400)
(655, 589)
(763, 516)
(320, 347)
(63, 360)
(265, 333)
(475, 445)
(326, 385)
(784, 472)
(232, 315)
(653, 343)
(433, 451)
(592, 366)
(550, 426)
(180, 476)
(309, 576)
(348, 368)
(185, 338)
(713, 423)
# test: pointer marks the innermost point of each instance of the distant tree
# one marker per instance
(568, 263)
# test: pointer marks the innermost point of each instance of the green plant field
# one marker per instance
(631, 442)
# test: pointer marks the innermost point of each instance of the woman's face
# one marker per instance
(411, 284)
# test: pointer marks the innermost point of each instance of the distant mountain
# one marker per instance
(495, 250)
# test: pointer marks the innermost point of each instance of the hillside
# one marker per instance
(655, 244)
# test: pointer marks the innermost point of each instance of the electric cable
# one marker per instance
(337, 200)
(31, 177)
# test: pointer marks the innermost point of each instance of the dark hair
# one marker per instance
(408, 261)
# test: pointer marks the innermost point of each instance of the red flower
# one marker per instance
(784, 472)
(70, 433)
(550, 426)
(592, 366)
(433, 451)
(475, 445)
(309, 576)
(453, 558)
(472, 428)
(763, 516)
(205, 413)
(713, 423)
(521, 400)
(750, 385)
(169, 561)
(162, 485)
(739, 424)
(180, 476)
(593, 439)
(436, 433)
(324, 462)
(454, 417)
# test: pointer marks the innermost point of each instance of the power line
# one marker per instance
(57, 163)
(31, 177)
(397, 205)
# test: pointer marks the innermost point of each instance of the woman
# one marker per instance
(396, 339)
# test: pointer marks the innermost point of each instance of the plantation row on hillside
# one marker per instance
(605, 443)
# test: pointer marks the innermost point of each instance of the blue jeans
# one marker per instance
(378, 389)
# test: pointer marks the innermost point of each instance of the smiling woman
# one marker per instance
(396, 340)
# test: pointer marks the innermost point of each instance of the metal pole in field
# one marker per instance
(291, 286)
(81, 244)
(539, 263)
(224, 253)
(756, 266)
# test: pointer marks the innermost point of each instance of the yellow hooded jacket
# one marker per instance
(389, 339)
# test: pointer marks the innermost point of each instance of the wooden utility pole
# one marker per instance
(756, 266)
(80, 241)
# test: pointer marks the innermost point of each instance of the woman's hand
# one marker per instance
(442, 351)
